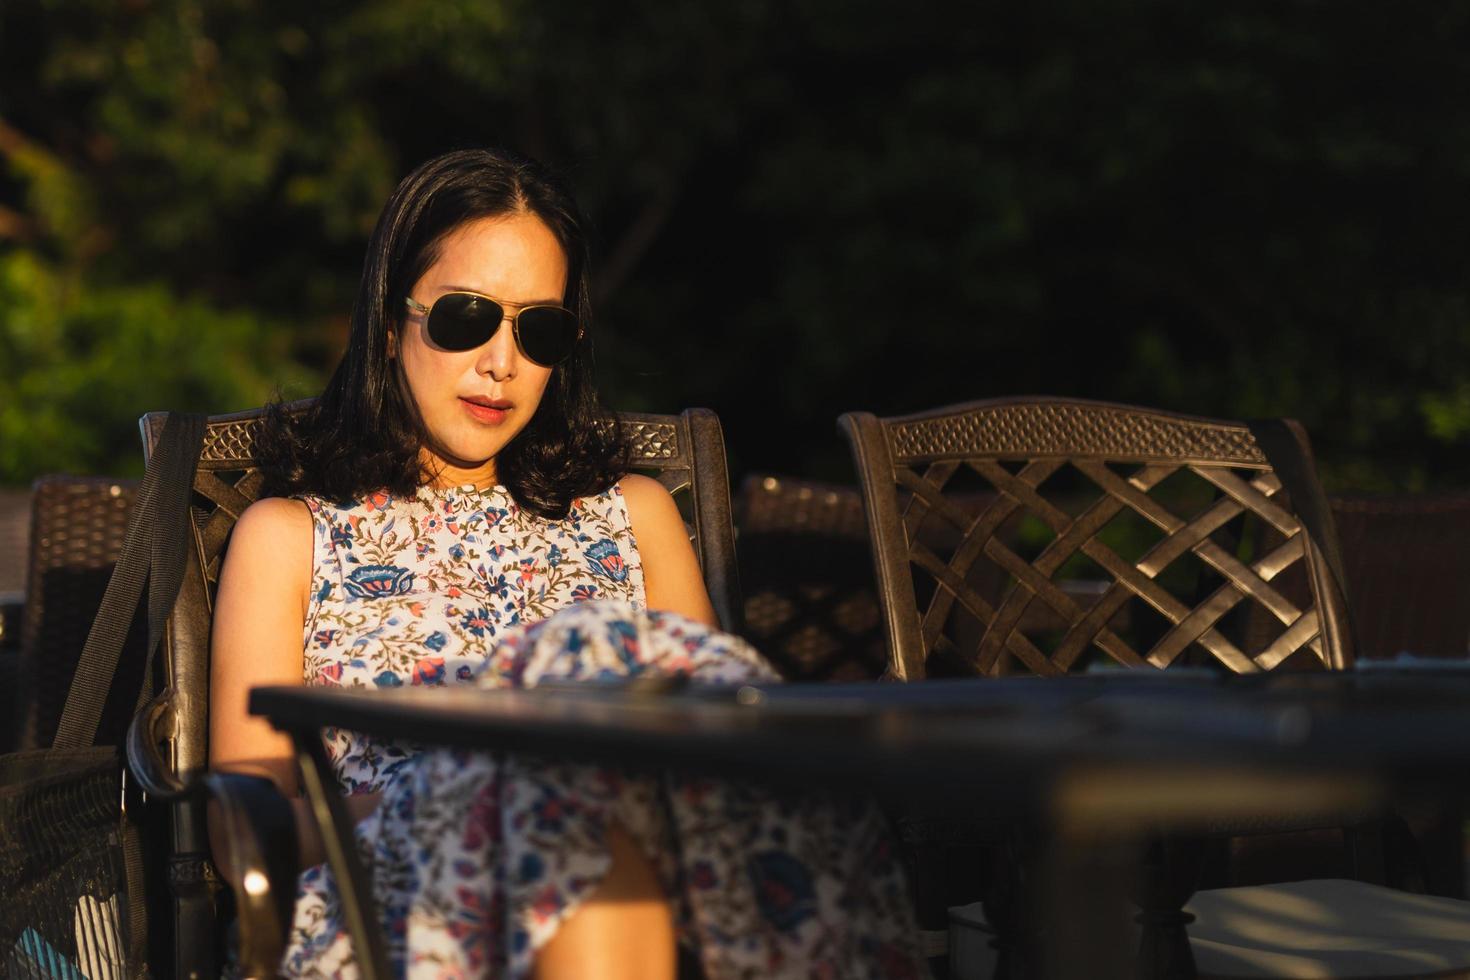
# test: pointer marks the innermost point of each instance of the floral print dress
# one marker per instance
(477, 857)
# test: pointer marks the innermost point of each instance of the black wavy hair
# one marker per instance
(364, 432)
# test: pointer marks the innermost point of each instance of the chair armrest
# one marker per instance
(151, 727)
(260, 835)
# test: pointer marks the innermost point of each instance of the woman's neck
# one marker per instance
(447, 473)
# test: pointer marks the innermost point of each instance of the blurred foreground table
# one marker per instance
(1090, 764)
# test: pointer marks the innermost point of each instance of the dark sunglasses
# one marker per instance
(464, 321)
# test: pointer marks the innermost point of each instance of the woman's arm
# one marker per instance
(671, 575)
(259, 616)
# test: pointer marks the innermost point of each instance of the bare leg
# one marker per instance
(624, 931)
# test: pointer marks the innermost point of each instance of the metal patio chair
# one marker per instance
(1202, 556)
(1121, 470)
(167, 745)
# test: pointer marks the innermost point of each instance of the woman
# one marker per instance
(448, 490)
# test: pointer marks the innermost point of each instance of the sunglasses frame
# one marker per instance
(505, 311)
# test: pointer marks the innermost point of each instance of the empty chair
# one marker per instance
(810, 606)
(1146, 539)
(15, 510)
(77, 530)
(1141, 537)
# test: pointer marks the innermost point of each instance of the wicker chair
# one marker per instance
(810, 605)
(15, 513)
(167, 745)
(77, 530)
(1200, 556)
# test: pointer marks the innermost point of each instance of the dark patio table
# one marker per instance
(1090, 759)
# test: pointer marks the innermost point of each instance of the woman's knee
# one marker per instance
(625, 929)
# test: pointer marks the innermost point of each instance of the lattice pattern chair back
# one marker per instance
(810, 604)
(77, 530)
(685, 452)
(1115, 535)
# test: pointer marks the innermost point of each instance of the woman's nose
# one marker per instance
(498, 356)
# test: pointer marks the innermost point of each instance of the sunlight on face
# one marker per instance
(474, 402)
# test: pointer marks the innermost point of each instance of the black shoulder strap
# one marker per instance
(153, 553)
(1288, 457)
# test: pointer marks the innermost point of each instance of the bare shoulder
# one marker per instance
(670, 569)
(260, 606)
(273, 522)
(648, 500)
(270, 549)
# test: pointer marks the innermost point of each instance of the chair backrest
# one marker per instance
(685, 452)
(1074, 533)
(1408, 571)
(810, 604)
(77, 530)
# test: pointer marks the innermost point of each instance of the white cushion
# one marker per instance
(970, 955)
(1328, 928)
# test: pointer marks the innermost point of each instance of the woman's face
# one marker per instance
(474, 402)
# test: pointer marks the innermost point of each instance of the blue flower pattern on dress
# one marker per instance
(477, 621)
(783, 888)
(604, 559)
(475, 859)
(378, 581)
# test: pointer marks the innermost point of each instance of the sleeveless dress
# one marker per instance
(477, 857)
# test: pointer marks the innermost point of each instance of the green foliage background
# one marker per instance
(804, 207)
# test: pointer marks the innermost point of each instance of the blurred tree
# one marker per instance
(81, 359)
(81, 364)
(806, 207)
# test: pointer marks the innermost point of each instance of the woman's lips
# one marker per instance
(489, 411)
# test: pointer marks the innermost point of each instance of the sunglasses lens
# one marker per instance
(461, 321)
(548, 334)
